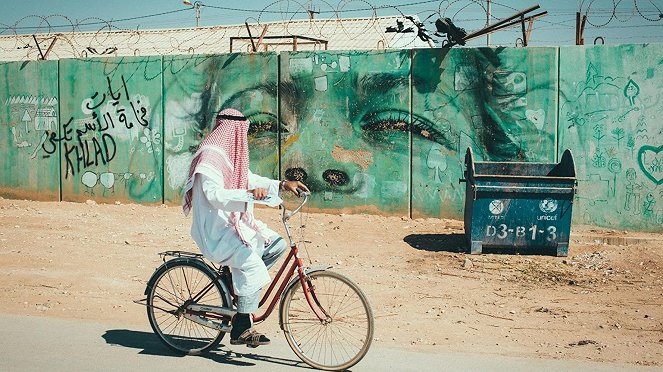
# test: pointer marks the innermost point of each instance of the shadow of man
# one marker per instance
(149, 344)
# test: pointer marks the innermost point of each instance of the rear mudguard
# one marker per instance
(196, 262)
(293, 282)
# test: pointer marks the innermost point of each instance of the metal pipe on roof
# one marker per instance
(253, 45)
(38, 47)
(500, 22)
(502, 27)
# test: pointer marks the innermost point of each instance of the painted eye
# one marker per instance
(381, 124)
(386, 121)
(262, 123)
(430, 131)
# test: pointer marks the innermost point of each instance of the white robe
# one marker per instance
(214, 234)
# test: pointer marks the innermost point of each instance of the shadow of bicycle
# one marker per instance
(149, 344)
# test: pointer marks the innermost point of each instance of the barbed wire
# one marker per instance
(34, 35)
(623, 15)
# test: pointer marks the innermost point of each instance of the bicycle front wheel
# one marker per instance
(341, 340)
(175, 283)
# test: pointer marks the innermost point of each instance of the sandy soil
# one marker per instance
(603, 302)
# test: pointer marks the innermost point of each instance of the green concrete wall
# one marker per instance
(611, 117)
(345, 128)
(500, 102)
(380, 132)
(196, 88)
(111, 129)
(29, 116)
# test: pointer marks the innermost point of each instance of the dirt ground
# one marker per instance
(603, 302)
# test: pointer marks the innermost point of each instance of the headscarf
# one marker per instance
(224, 153)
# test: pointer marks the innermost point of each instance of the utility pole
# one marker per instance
(196, 5)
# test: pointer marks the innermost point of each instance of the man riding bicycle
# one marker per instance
(224, 227)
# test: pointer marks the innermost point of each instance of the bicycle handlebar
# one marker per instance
(302, 194)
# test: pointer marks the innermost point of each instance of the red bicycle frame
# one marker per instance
(293, 263)
(307, 287)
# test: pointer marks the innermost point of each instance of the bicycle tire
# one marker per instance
(338, 343)
(172, 284)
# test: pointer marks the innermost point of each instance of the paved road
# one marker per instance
(48, 344)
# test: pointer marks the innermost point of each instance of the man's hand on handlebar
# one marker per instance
(294, 187)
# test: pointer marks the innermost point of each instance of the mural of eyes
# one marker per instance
(263, 124)
(380, 126)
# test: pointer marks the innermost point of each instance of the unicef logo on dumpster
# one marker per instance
(548, 205)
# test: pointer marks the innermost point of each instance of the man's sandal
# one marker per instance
(250, 338)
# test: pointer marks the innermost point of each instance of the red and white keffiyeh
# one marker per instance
(231, 163)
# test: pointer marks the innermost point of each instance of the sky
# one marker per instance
(629, 21)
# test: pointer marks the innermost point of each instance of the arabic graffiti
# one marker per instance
(113, 127)
(81, 153)
(114, 101)
(92, 144)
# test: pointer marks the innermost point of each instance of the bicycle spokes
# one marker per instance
(343, 336)
(314, 302)
(171, 293)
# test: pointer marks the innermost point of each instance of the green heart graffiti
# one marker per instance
(651, 165)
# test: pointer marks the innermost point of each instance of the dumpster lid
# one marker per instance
(562, 171)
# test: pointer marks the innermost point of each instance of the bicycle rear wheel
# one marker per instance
(175, 283)
(340, 341)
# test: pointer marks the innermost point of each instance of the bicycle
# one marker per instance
(326, 318)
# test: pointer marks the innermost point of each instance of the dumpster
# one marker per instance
(524, 206)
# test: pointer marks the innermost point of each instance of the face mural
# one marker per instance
(374, 132)
(363, 128)
(197, 88)
(500, 102)
(342, 125)
(345, 120)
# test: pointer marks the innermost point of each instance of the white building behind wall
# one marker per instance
(310, 34)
